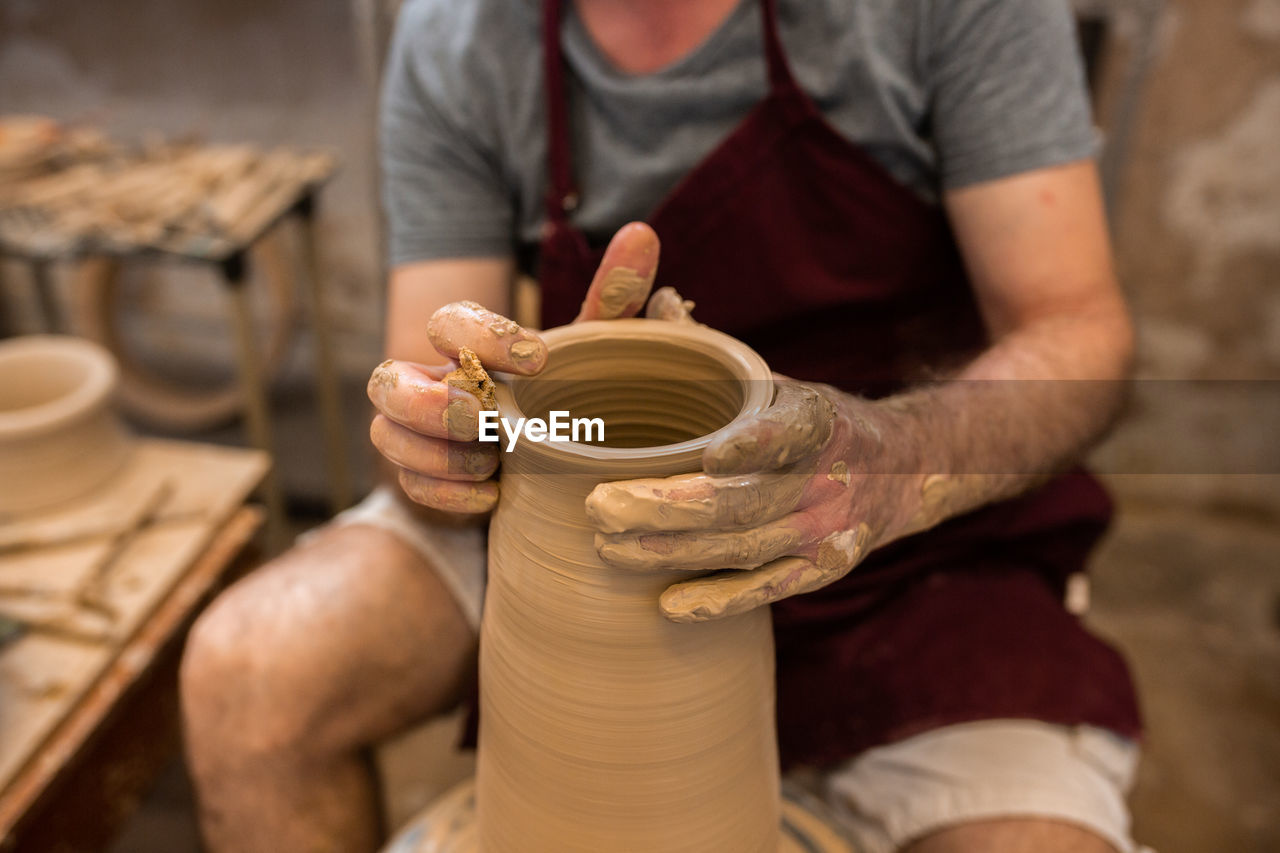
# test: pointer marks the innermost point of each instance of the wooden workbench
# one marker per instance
(85, 723)
(71, 195)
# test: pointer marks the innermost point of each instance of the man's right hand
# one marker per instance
(429, 429)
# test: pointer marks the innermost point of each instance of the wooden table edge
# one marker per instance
(54, 758)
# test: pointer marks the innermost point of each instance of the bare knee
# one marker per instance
(238, 691)
(325, 650)
(1014, 835)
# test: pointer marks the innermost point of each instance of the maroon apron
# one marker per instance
(796, 241)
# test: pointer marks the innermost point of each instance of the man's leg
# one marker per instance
(990, 786)
(1011, 836)
(296, 670)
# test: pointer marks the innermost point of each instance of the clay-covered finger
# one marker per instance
(501, 344)
(449, 495)
(728, 549)
(729, 593)
(694, 502)
(622, 282)
(413, 396)
(797, 425)
(434, 457)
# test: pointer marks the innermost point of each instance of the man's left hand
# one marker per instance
(791, 500)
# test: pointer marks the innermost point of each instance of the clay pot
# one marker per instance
(59, 437)
(604, 726)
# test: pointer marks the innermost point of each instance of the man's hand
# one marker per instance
(793, 499)
(790, 501)
(428, 428)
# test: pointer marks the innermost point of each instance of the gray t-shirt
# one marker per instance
(943, 93)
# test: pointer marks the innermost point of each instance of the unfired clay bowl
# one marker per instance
(60, 438)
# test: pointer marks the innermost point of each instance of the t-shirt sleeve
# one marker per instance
(442, 186)
(1008, 89)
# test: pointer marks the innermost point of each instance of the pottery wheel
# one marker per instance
(449, 826)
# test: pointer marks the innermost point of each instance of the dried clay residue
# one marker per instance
(384, 376)
(525, 352)
(470, 376)
(843, 549)
(623, 288)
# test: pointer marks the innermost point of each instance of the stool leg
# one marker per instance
(257, 412)
(6, 311)
(50, 311)
(328, 387)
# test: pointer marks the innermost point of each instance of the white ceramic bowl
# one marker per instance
(60, 438)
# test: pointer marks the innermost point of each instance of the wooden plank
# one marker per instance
(42, 677)
(91, 772)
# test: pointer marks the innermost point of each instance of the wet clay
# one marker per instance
(739, 592)
(730, 593)
(798, 425)
(696, 501)
(623, 288)
(449, 826)
(667, 304)
(605, 725)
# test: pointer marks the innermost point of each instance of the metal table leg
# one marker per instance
(257, 412)
(327, 379)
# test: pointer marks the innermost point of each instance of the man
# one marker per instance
(892, 198)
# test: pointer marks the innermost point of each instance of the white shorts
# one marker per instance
(889, 795)
(459, 555)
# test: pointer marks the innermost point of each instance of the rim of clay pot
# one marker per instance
(739, 361)
(96, 380)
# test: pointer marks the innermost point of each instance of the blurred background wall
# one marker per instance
(1198, 246)
(1189, 582)
(263, 71)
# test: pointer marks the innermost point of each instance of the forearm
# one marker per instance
(1029, 407)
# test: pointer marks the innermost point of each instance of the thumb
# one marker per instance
(797, 425)
(621, 285)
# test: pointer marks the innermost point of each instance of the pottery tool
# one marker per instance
(91, 591)
(20, 538)
(90, 594)
(61, 626)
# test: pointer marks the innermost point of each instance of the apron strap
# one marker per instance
(780, 77)
(562, 196)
